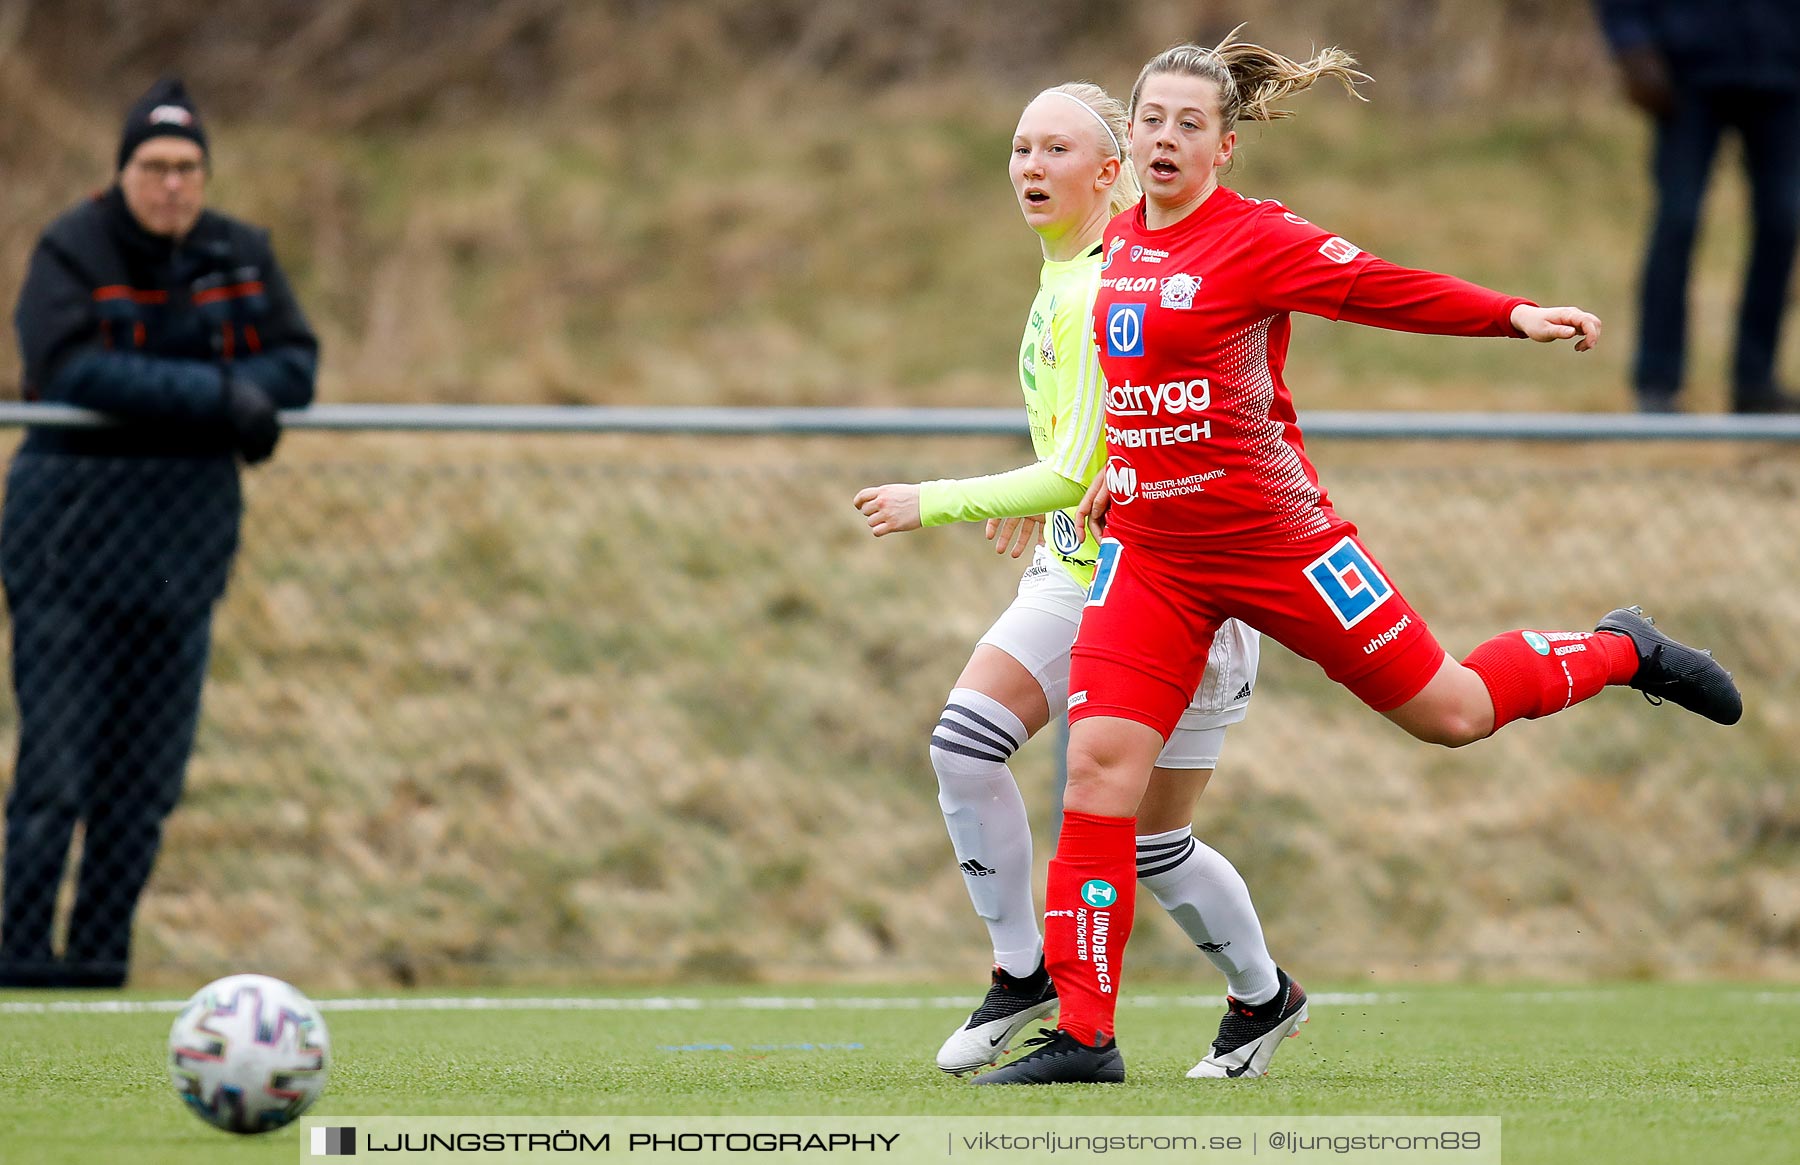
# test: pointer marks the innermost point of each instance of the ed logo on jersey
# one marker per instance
(1125, 329)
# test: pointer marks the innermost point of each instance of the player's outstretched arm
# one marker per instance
(890, 509)
(1546, 325)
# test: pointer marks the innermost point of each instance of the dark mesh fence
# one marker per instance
(481, 709)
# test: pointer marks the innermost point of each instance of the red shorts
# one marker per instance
(1151, 615)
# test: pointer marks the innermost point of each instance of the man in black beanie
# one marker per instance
(115, 542)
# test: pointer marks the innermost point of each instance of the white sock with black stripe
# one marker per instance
(1207, 898)
(986, 817)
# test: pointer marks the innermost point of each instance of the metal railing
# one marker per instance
(958, 422)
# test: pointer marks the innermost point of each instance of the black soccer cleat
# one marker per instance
(1060, 1058)
(1250, 1036)
(1012, 1004)
(1673, 671)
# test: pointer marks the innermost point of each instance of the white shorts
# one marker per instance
(1039, 628)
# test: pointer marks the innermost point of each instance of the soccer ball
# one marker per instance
(248, 1053)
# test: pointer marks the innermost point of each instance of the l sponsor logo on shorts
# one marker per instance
(1066, 534)
(1348, 582)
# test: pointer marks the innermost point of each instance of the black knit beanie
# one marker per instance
(164, 111)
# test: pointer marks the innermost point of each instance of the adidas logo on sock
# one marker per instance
(975, 869)
(1243, 693)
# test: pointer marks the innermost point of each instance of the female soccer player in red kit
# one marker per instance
(1215, 511)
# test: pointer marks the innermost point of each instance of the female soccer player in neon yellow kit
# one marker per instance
(1069, 174)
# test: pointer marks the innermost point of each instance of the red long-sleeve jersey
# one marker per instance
(1192, 324)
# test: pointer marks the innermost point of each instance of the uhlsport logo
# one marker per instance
(330, 1142)
(1111, 250)
(1125, 330)
(1538, 643)
(1348, 582)
(1098, 893)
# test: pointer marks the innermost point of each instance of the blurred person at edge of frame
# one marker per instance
(1699, 68)
(116, 542)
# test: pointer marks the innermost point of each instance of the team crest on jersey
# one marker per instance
(1178, 291)
(1350, 584)
(1047, 351)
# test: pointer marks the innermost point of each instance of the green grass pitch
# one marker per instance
(1632, 1073)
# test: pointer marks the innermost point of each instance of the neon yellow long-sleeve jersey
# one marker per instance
(1059, 373)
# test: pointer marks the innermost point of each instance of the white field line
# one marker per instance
(652, 1003)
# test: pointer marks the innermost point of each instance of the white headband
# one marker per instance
(1093, 113)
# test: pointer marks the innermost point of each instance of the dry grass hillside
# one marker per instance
(806, 202)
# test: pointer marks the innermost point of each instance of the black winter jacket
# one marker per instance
(1712, 44)
(116, 319)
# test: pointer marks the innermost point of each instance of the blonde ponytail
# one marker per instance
(1251, 78)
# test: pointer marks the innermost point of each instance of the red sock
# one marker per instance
(1087, 918)
(1534, 673)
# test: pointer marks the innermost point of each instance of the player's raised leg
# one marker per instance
(1523, 675)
